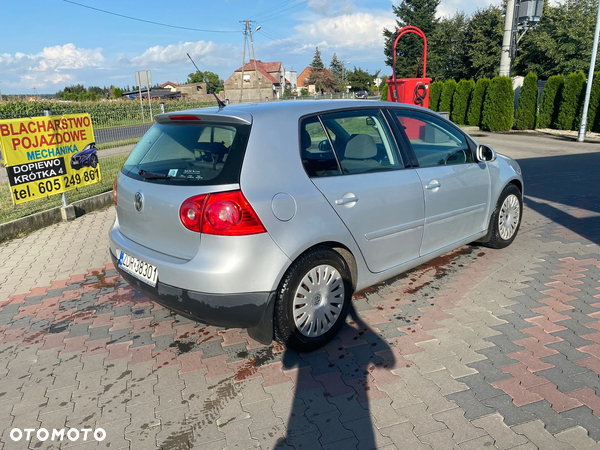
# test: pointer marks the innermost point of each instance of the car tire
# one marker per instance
(93, 161)
(506, 218)
(324, 274)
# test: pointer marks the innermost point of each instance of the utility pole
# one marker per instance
(249, 28)
(246, 22)
(590, 80)
(505, 58)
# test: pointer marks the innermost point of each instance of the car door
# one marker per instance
(352, 158)
(456, 187)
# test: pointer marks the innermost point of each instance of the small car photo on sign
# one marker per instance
(88, 157)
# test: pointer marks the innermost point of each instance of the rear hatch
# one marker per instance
(181, 156)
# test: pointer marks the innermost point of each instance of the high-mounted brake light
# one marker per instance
(184, 117)
(222, 213)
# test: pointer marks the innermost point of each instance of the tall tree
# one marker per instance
(361, 80)
(323, 80)
(447, 58)
(212, 80)
(418, 13)
(317, 62)
(337, 67)
(562, 42)
(484, 42)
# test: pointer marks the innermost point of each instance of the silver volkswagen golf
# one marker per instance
(269, 216)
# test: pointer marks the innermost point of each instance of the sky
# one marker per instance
(46, 45)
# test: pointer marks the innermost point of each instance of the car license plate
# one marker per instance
(137, 268)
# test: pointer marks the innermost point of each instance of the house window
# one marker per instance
(246, 78)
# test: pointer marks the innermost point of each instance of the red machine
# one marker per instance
(414, 91)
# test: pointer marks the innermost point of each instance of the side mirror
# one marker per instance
(485, 154)
(370, 121)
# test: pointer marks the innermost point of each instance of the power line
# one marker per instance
(274, 8)
(293, 9)
(149, 21)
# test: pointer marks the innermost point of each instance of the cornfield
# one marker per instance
(108, 114)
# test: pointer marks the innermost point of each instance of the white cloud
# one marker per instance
(52, 66)
(68, 57)
(329, 8)
(450, 7)
(202, 52)
(358, 31)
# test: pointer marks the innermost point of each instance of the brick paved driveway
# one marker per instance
(478, 349)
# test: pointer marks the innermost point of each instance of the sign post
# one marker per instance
(144, 78)
(49, 155)
(63, 196)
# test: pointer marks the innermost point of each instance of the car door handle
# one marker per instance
(433, 184)
(346, 200)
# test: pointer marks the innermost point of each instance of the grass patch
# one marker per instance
(109, 167)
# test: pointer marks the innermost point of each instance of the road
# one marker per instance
(477, 349)
(120, 133)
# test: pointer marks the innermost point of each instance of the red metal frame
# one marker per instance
(422, 80)
(412, 30)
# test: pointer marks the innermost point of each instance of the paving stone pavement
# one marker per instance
(477, 349)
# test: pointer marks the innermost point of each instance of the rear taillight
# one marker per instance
(115, 190)
(191, 211)
(223, 213)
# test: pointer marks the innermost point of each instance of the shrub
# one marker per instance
(499, 108)
(447, 94)
(528, 103)
(476, 105)
(435, 93)
(550, 101)
(593, 116)
(571, 102)
(384, 92)
(461, 100)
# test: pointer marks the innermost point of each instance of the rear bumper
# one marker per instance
(252, 310)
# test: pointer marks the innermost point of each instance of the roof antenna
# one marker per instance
(219, 101)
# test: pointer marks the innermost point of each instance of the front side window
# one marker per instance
(362, 141)
(434, 142)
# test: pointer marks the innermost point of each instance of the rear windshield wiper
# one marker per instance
(158, 176)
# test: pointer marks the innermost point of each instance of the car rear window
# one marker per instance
(206, 154)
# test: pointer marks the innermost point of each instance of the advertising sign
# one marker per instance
(48, 155)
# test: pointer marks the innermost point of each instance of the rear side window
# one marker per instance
(189, 154)
(315, 150)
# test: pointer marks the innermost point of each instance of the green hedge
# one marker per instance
(476, 105)
(498, 108)
(528, 103)
(461, 100)
(447, 94)
(593, 116)
(571, 102)
(435, 93)
(550, 101)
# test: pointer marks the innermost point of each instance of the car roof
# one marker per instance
(296, 108)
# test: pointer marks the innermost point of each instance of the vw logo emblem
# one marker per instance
(138, 201)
